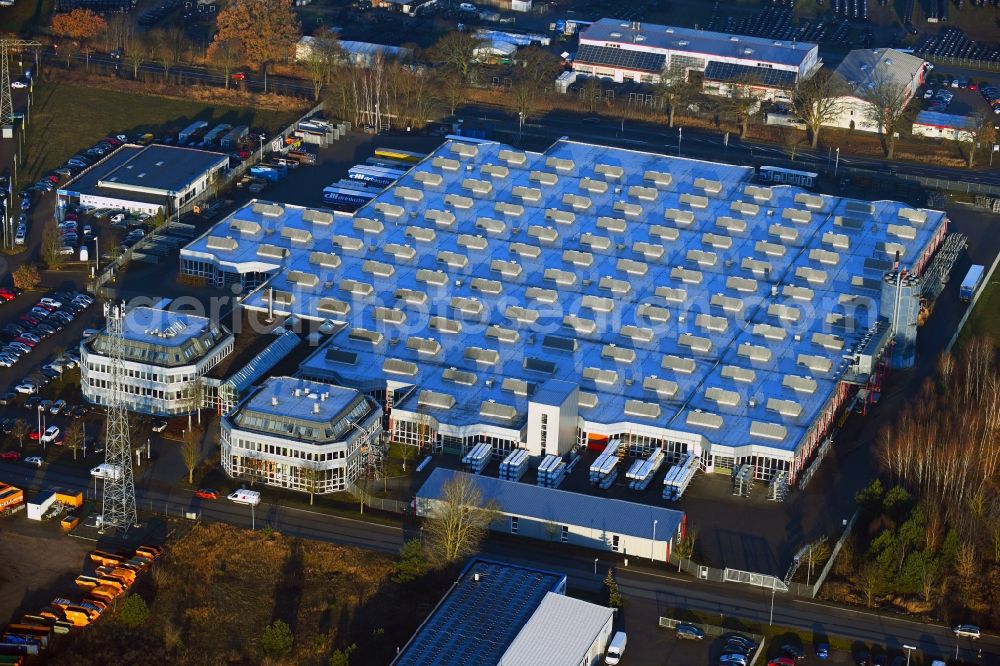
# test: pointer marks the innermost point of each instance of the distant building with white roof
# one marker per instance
(296, 434)
(863, 71)
(166, 355)
(361, 54)
(646, 53)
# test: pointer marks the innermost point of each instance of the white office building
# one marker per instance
(301, 435)
(165, 356)
(624, 51)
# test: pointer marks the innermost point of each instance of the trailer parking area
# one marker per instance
(36, 560)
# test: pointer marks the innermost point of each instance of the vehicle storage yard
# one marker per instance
(37, 559)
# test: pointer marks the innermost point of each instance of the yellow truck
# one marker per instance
(10, 497)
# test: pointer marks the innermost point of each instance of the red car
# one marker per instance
(207, 493)
(781, 661)
(6, 296)
(10, 455)
(239, 76)
(33, 435)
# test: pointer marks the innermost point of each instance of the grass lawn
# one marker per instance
(215, 590)
(68, 118)
(985, 318)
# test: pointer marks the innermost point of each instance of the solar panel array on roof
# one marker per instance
(641, 61)
(481, 615)
(731, 72)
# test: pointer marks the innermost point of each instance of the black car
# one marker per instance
(7, 398)
(45, 329)
(793, 651)
(7, 426)
(62, 296)
(736, 647)
(13, 330)
(32, 402)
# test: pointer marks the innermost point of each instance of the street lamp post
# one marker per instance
(770, 621)
(680, 135)
(652, 546)
(836, 164)
(595, 567)
(909, 650)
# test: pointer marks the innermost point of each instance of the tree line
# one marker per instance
(933, 536)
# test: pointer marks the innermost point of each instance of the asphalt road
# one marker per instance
(639, 580)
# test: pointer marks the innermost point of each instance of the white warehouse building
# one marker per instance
(874, 74)
(165, 356)
(301, 435)
(646, 53)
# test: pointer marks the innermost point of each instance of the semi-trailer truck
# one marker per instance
(970, 285)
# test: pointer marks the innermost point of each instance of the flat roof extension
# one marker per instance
(164, 169)
(479, 618)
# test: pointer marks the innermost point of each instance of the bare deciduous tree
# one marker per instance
(459, 521)
(456, 51)
(888, 101)
(870, 582)
(743, 102)
(225, 55)
(533, 77)
(191, 452)
(980, 136)
(324, 53)
(675, 92)
(591, 93)
(817, 101)
(310, 473)
(73, 438)
(19, 431)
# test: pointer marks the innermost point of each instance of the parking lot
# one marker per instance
(960, 94)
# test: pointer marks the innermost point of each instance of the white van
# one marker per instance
(616, 648)
(243, 496)
(106, 471)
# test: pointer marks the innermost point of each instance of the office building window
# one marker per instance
(513, 524)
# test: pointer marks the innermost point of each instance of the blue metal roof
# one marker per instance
(561, 507)
(637, 276)
(477, 620)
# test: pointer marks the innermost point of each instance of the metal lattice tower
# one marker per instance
(6, 101)
(119, 489)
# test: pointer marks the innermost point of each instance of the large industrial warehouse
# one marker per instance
(590, 294)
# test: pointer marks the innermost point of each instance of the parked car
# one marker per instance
(207, 493)
(51, 434)
(793, 651)
(823, 651)
(34, 460)
(57, 407)
(10, 455)
(968, 630)
(689, 632)
(27, 388)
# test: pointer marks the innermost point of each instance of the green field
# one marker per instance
(66, 119)
(985, 318)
